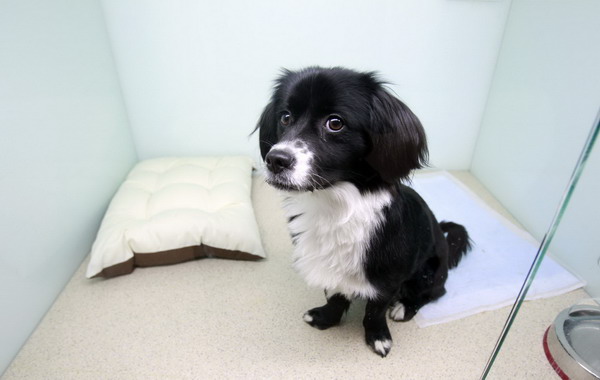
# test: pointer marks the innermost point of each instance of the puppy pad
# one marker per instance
(491, 274)
(171, 210)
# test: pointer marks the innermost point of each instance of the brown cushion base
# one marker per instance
(172, 256)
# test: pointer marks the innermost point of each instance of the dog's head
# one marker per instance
(325, 125)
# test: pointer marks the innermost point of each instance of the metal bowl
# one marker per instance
(572, 343)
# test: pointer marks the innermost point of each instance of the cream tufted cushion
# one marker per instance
(171, 210)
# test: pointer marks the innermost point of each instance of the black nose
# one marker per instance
(279, 160)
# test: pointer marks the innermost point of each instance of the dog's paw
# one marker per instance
(379, 339)
(397, 312)
(381, 346)
(308, 318)
(400, 313)
(321, 318)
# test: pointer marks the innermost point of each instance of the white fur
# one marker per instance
(397, 311)
(302, 171)
(382, 347)
(332, 234)
(307, 318)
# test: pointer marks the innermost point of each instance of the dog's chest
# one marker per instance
(332, 230)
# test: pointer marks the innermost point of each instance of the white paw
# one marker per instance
(307, 318)
(382, 347)
(397, 312)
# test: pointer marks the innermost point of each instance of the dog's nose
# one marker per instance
(279, 160)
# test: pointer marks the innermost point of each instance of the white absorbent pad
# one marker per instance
(491, 274)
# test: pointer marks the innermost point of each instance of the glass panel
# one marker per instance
(542, 103)
(543, 249)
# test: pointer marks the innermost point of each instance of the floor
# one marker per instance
(226, 319)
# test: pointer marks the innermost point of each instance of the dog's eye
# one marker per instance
(285, 119)
(334, 124)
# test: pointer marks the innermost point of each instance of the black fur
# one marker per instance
(329, 314)
(382, 141)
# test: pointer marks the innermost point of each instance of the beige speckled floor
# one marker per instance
(223, 319)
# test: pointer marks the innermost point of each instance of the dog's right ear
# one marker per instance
(267, 127)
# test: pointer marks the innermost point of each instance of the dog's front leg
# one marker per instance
(377, 334)
(329, 314)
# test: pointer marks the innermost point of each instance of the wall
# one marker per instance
(65, 147)
(196, 74)
(543, 101)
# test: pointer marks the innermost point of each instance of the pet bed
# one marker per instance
(171, 210)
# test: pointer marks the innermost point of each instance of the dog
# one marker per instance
(342, 147)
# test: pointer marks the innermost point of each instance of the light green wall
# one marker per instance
(65, 146)
(196, 74)
(543, 101)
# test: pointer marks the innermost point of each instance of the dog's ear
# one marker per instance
(267, 127)
(398, 140)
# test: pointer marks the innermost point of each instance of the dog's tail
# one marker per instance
(458, 242)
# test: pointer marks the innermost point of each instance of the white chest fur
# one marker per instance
(332, 229)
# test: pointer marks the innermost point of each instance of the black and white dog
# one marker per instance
(339, 144)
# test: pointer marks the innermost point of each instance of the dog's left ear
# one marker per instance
(267, 127)
(398, 138)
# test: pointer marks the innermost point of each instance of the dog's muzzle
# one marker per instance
(289, 166)
(279, 160)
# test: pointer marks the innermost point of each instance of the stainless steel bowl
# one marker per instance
(572, 343)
